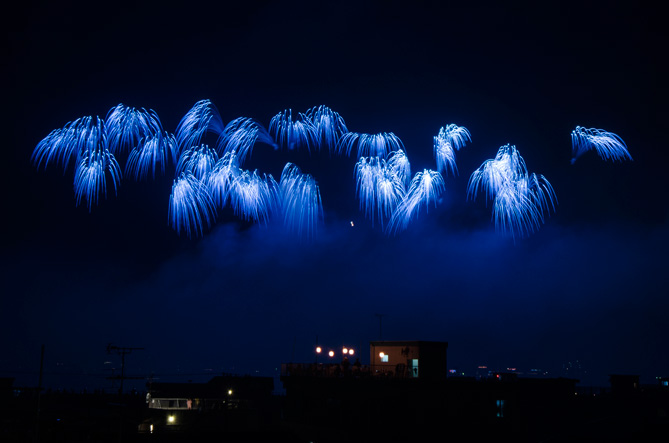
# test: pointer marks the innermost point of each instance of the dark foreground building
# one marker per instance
(227, 405)
(227, 408)
(405, 395)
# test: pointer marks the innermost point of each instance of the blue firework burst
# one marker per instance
(191, 206)
(608, 145)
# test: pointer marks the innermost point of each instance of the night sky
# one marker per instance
(588, 286)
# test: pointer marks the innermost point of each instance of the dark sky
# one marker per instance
(589, 286)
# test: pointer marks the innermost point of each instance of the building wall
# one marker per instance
(412, 359)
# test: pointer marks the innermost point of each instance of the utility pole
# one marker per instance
(122, 351)
(39, 393)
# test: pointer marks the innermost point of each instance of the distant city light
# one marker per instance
(229, 391)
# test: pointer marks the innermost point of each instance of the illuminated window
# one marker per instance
(384, 357)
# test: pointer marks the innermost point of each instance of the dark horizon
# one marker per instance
(589, 285)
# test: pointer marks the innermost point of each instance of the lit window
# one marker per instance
(414, 368)
(501, 405)
(384, 357)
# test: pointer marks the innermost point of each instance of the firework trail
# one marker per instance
(252, 196)
(370, 145)
(329, 127)
(198, 160)
(203, 117)
(399, 163)
(493, 174)
(191, 205)
(126, 127)
(607, 144)
(219, 181)
(63, 144)
(520, 200)
(293, 134)
(379, 187)
(157, 148)
(299, 200)
(240, 135)
(449, 139)
(425, 187)
(95, 164)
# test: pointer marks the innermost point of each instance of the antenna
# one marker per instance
(380, 325)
